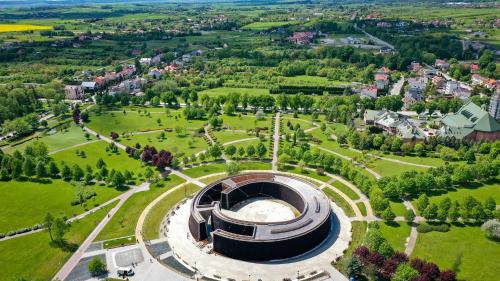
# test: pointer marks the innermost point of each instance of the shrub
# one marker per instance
(425, 228)
(492, 229)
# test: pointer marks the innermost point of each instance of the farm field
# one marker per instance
(22, 27)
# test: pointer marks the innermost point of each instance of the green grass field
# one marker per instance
(346, 190)
(32, 256)
(188, 144)
(362, 208)
(157, 214)
(311, 80)
(225, 136)
(213, 168)
(132, 121)
(398, 208)
(463, 248)
(25, 204)
(124, 221)
(60, 140)
(387, 168)
(339, 201)
(396, 234)
(118, 161)
(246, 122)
(358, 232)
(478, 191)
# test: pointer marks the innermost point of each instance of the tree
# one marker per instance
(66, 172)
(59, 229)
(118, 179)
(17, 168)
(250, 151)
(241, 151)
(422, 202)
(492, 229)
(48, 221)
(430, 213)
(77, 173)
(232, 168)
(84, 116)
(100, 163)
(388, 215)
(40, 170)
(404, 272)
(230, 150)
(215, 151)
(261, 150)
(470, 156)
(149, 173)
(53, 170)
(29, 167)
(409, 215)
(354, 268)
(97, 267)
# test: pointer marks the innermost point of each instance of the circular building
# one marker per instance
(260, 240)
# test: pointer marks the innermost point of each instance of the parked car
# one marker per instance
(125, 271)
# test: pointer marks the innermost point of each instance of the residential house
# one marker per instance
(145, 61)
(442, 64)
(155, 73)
(438, 81)
(394, 124)
(415, 66)
(89, 86)
(470, 123)
(451, 87)
(369, 92)
(385, 50)
(156, 60)
(74, 92)
(474, 67)
(302, 38)
(381, 81)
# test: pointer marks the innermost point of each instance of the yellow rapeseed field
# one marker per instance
(22, 27)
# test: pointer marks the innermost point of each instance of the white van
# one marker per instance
(125, 271)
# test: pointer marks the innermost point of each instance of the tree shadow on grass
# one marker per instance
(392, 224)
(64, 246)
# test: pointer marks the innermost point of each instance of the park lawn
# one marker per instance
(304, 124)
(119, 242)
(153, 221)
(338, 128)
(246, 122)
(466, 246)
(362, 208)
(133, 121)
(61, 139)
(396, 234)
(184, 145)
(124, 221)
(226, 90)
(32, 256)
(229, 136)
(339, 201)
(432, 161)
(119, 161)
(305, 172)
(213, 178)
(25, 204)
(346, 190)
(476, 190)
(398, 208)
(22, 27)
(219, 167)
(253, 142)
(387, 168)
(333, 145)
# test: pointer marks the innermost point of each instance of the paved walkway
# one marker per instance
(394, 160)
(106, 139)
(73, 146)
(276, 139)
(185, 177)
(63, 273)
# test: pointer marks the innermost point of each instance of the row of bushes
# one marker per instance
(318, 90)
(425, 228)
(20, 231)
